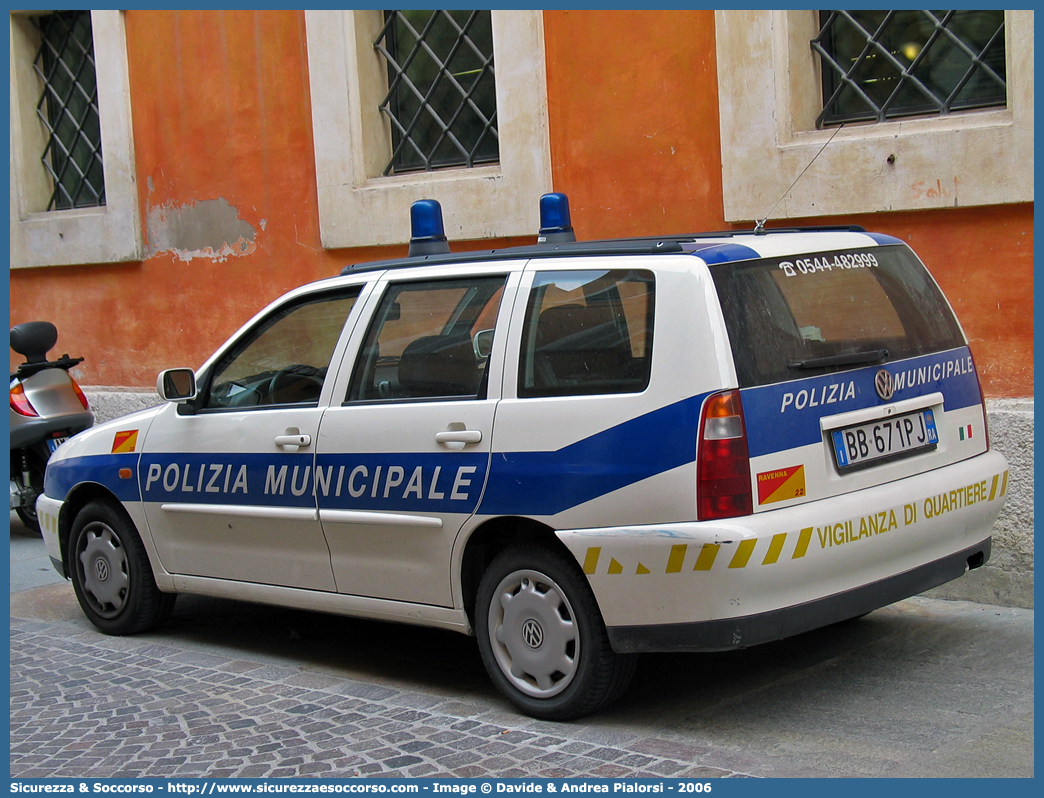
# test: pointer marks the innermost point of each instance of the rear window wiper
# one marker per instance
(848, 359)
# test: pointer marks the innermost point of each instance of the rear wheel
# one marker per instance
(542, 638)
(111, 573)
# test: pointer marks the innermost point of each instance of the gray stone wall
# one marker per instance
(1007, 579)
(109, 403)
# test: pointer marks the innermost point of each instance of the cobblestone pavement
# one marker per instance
(89, 706)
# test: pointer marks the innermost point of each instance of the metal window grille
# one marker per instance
(441, 99)
(68, 108)
(880, 65)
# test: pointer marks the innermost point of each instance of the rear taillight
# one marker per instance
(723, 462)
(19, 402)
(79, 394)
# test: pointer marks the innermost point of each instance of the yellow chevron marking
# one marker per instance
(746, 548)
(993, 488)
(642, 569)
(615, 567)
(1004, 485)
(775, 548)
(591, 560)
(674, 562)
(706, 558)
(802, 544)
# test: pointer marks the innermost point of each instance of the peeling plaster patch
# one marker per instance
(209, 229)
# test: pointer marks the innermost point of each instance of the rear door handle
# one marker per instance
(459, 436)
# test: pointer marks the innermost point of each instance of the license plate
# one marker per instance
(884, 439)
(54, 443)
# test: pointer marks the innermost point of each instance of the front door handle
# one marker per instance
(293, 437)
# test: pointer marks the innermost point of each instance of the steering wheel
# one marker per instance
(304, 387)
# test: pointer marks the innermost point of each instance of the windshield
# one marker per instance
(814, 314)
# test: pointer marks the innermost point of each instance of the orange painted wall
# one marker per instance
(633, 112)
(221, 110)
(220, 105)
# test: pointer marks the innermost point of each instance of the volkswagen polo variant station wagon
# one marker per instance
(574, 451)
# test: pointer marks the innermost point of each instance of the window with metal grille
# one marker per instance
(68, 108)
(880, 65)
(441, 99)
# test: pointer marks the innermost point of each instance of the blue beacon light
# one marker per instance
(555, 226)
(427, 234)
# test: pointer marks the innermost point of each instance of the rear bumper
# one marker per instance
(740, 581)
(751, 630)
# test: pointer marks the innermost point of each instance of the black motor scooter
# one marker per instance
(47, 407)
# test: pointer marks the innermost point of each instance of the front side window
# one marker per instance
(429, 340)
(441, 101)
(284, 360)
(68, 109)
(880, 65)
(587, 332)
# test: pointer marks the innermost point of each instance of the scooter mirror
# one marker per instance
(176, 385)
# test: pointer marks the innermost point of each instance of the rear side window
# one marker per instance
(587, 332)
(825, 312)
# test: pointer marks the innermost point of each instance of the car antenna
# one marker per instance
(759, 225)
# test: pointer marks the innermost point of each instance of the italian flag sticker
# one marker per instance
(966, 433)
(781, 484)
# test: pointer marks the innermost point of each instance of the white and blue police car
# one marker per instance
(575, 451)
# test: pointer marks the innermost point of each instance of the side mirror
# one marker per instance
(176, 385)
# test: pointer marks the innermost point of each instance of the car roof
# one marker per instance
(716, 247)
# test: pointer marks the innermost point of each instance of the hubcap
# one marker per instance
(106, 579)
(534, 634)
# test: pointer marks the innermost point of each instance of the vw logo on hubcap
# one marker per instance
(532, 634)
(885, 384)
(101, 569)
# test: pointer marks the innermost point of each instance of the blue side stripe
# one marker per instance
(779, 417)
(104, 469)
(545, 483)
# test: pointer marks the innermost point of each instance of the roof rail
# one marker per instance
(554, 240)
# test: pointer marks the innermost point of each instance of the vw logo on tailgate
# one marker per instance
(885, 384)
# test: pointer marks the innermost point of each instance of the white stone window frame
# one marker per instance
(769, 86)
(360, 207)
(105, 234)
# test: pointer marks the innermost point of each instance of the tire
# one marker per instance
(27, 515)
(111, 573)
(28, 519)
(542, 638)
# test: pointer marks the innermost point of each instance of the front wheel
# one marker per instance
(542, 638)
(111, 573)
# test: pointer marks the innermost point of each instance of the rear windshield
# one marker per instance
(801, 316)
